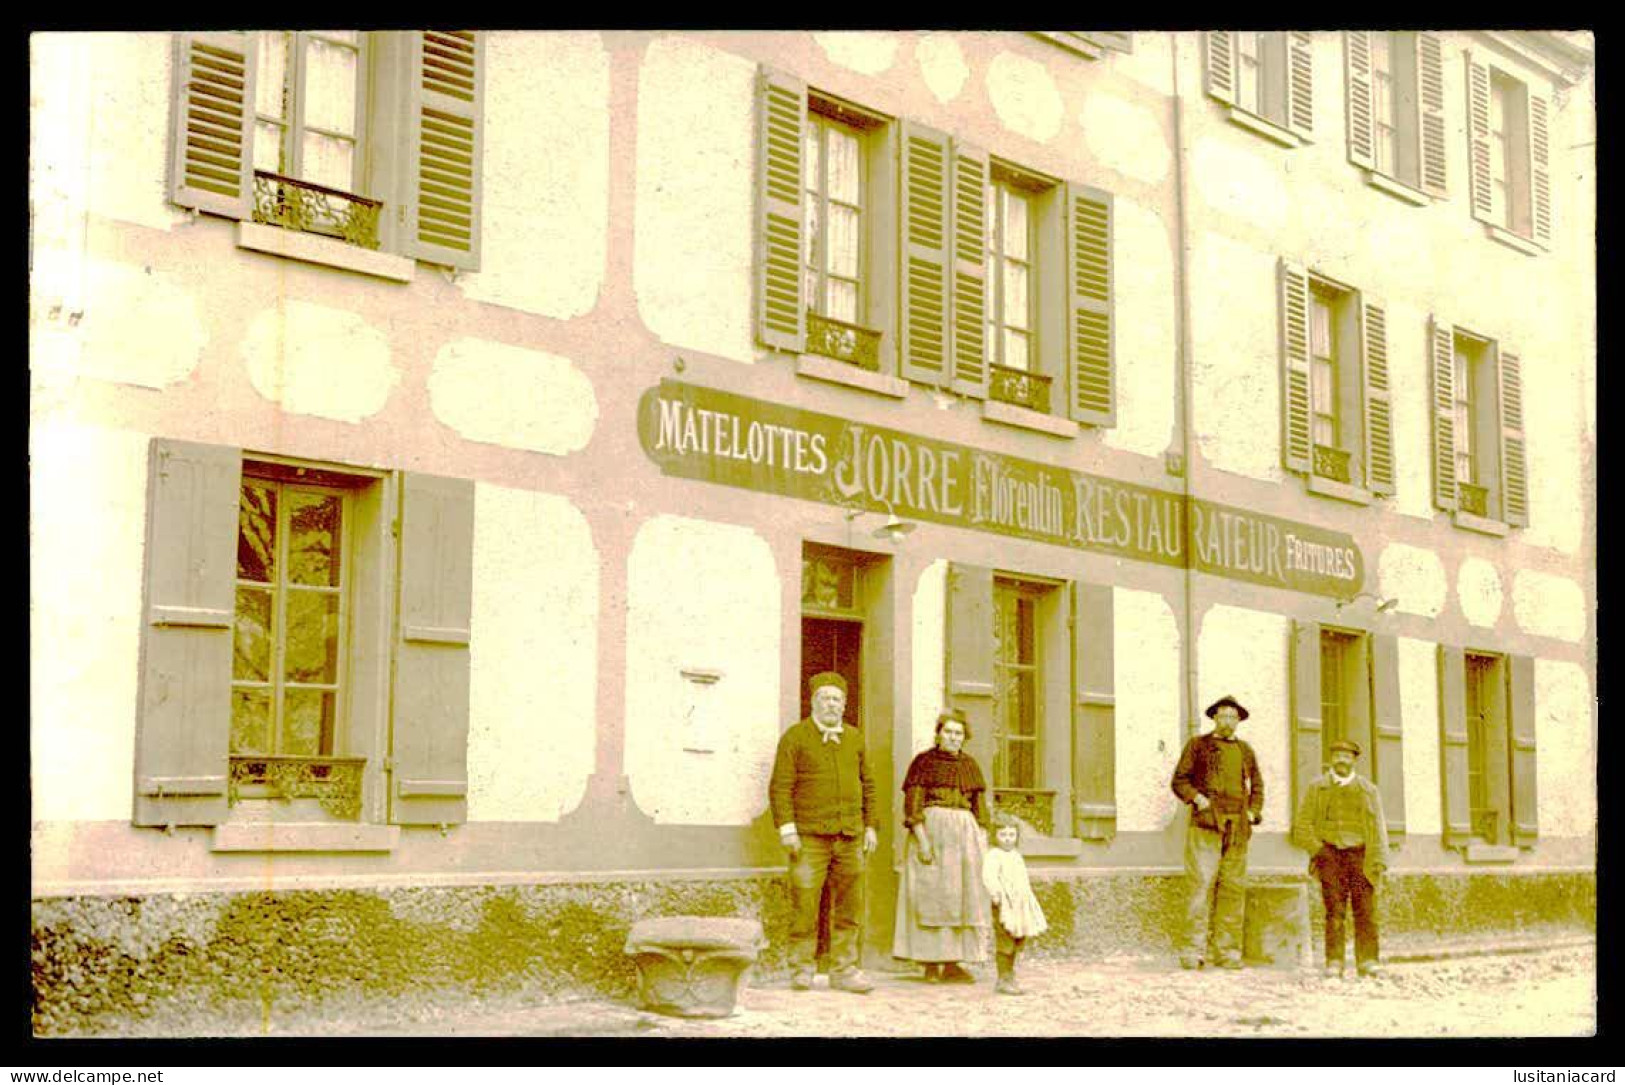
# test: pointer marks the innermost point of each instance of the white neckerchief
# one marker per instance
(1340, 781)
(830, 734)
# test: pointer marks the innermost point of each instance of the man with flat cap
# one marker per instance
(1218, 777)
(1340, 824)
(823, 802)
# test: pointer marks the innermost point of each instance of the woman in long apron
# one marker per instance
(944, 915)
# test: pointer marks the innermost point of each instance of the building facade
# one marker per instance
(451, 452)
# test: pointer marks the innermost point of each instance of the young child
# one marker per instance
(1016, 914)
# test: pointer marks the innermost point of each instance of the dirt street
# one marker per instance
(1550, 992)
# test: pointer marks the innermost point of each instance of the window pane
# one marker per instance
(1320, 328)
(311, 650)
(1015, 225)
(307, 722)
(812, 171)
(328, 161)
(1021, 771)
(844, 162)
(843, 241)
(1325, 388)
(314, 538)
(251, 635)
(1015, 349)
(809, 236)
(843, 300)
(256, 532)
(1015, 295)
(271, 88)
(250, 721)
(1024, 712)
(330, 87)
(268, 148)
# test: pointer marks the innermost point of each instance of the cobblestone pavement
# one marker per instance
(1546, 992)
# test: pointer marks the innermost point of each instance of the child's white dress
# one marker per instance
(1005, 875)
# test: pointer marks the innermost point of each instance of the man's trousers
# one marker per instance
(1216, 884)
(839, 860)
(1343, 882)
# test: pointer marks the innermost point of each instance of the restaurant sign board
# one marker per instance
(712, 436)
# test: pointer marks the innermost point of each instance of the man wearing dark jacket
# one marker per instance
(1341, 825)
(1218, 777)
(823, 802)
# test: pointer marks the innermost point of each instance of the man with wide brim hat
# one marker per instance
(1340, 824)
(1218, 777)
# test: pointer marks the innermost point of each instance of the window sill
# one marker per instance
(1479, 524)
(1070, 41)
(1268, 129)
(1478, 852)
(315, 249)
(827, 369)
(1006, 414)
(304, 836)
(1342, 491)
(1512, 240)
(1396, 188)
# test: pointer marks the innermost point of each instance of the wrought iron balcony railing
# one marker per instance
(1019, 388)
(1473, 499)
(1332, 463)
(844, 342)
(315, 209)
(335, 782)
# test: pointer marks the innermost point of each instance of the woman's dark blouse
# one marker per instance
(939, 778)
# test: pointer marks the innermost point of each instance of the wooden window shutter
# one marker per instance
(1386, 758)
(1220, 49)
(970, 653)
(1379, 408)
(1357, 96)
(1094, 724)
(430, 737)
(1521, 735)
(1089, 266)
(1540, 175)
(1514, 456)
(183, 731)
(926, 231)
(1308, 759)
(1120, 40)
(1296, 435)
(211, 154)
(1300, 83)
(1458, 822)
(1430, 104)
(1478, 139)
(1442, 348)
(449, 77)
(970, 373)
(781, 117)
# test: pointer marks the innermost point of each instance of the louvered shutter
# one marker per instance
(1540, 177)
(1458, 821)
(1387, 758)
(781, 117)
(1357, 96)
(1478, 140)
(1430, 83)
(1441, 348)
(429, 762)
(1300, 83)
(183, 726)
(1514, 456)
(211, 164)
(1120, 40)
(926, 230)
(1521, 727)
(970, 654)
(1089, 267)
(1379, 409)
(1308, 760)
(1297, 438)
(970, 373)
(447, 147)
(1220, 47)
(1094, 723)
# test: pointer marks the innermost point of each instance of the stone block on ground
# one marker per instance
(693, 966)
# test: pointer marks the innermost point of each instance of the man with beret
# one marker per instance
(1218, 777)
(1340, 824)
(823, 802)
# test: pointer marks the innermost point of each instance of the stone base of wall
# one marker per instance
(194, 963)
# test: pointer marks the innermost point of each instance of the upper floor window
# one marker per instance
(370, 141)
(1508, 157)
(834, 226)
(1337, 423)
(1266, 78)
(1394, 89)
(1480, 468)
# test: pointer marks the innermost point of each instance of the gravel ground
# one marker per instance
(1548, 992)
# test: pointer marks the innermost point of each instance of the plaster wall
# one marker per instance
(1243, 652)
(929, 613)
(1566, 750)
(1146, 668)
(1419, 713)
(514, 397)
